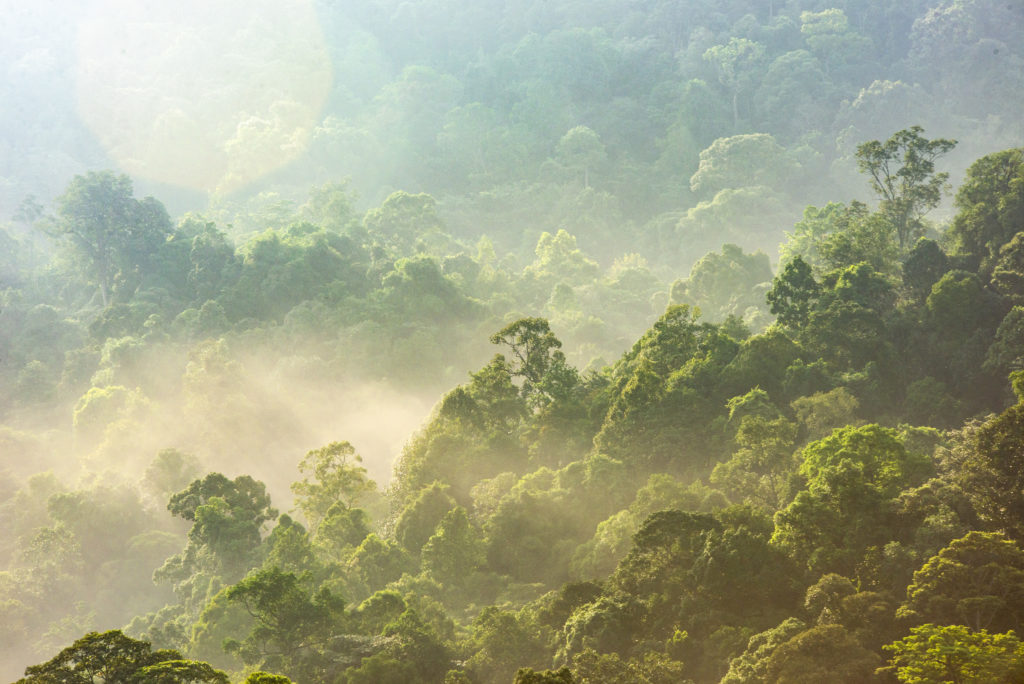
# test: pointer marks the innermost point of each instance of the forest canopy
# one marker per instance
(528, 342)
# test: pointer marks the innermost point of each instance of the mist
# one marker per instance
(529, 260)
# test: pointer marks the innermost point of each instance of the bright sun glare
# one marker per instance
(206, 95)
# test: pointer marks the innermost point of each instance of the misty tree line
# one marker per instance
(832, 496)
(806, 475)
(531, 116)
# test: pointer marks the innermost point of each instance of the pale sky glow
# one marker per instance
(204, 95)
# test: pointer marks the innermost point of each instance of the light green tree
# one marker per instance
(935, 655)
(902, 171)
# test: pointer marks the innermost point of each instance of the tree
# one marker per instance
(338, 480)
(181, 672)
(824, 653)
(977, 580)
(419, 519)
(876, 452)
(228, 517)
(735, 62)
(829, 37)
(862, 285)
(821, 412)
(403, 221)
(503, 642)
(527, 675)
(794, 294)
(902, 171)
(582, 151)
(740, 161)
(559, 258)
(756, 472)
(851, 477)
(933, 654)
(839, 235)
(377, 562)
(537, 359)
(925, 264)
(1008, 270)
(169, 472)
(751, 665)
(107, 228)
(726, 284)
(115, 658)
(990, 205)
(292, 625)
(260, 677)
(455, 551)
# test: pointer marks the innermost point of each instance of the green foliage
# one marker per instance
(515, 130)
(403, 220)
(581, 150)
(757, 471)
(830, 38)
(984, 461)
(990, 204)
(375, 563)
(557, 256)
(739, 161)
(876, 452)
(526, 675)
(455, 551)
(419, 520)
(955, 653)
(822, 653)
(752, 665)
(822, 412)
(112, 235)
(592, 667)
(337, 480)
(726, 284)
(181, 672)
(925, 264)
(504, 642)
(794, 293)
(902, 171)
(291, 627)
(736, 62)
(977, 580)
(170, 472)
(113, 657)
(844, 511)
(260, 677)
(227, 517)
(530, 533)
(537, 360)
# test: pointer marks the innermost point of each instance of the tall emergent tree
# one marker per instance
(902, 171)
(110, 232)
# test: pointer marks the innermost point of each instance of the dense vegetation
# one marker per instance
(654, 473)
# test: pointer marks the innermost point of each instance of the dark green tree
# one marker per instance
(925, 264)
(113, 657)
(794, 294)
(527, 675)
(990, 205)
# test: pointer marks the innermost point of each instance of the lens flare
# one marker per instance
(204, 95)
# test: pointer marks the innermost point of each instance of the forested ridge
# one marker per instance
(719, 308)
